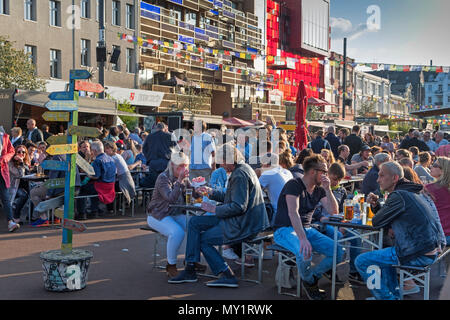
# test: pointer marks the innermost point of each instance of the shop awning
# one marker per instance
(85, 105)
(316, 124)
(344, 123)
(236, 122)
(431, 112)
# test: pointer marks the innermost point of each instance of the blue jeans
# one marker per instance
(384, 259)
(6, 200)
(203, 234)
(354, 252)
(448, 240)
(287, 238)
(87, 190)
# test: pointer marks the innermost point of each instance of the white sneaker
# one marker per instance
(229, 254)
(12, 226)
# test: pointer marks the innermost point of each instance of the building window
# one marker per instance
(55, 13)
(116, 66)
(98, 11)
(116, 13)
(190, 17)
(55, 63)
(85, 52)
(85, 9)
(430, 100)
(31, 52)
(130, 61)
(130, 16)
(30, 10)
(4, 6)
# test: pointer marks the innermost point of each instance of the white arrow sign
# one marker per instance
(62, 105)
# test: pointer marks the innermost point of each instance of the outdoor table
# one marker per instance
(352, 181)
(364, 236)
(198, 211)
(137, 174)
(32, 178)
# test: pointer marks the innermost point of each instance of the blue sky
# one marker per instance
(410, 32)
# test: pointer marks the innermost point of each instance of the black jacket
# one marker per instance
(417, 229)
(318, 144)
(243, 212)
(36, 136)
(414, 142)
(354, 143)
(157, 149)
(334, 143)
(18, 142)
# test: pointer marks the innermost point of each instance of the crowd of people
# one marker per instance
(258, 181)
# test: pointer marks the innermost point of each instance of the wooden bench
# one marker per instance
(158, 238)
(255, 247)
(420, 274)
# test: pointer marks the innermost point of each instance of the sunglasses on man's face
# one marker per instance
(21, 152)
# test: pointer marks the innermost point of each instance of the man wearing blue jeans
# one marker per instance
(418, 233)
(292, 225)
(241, 216)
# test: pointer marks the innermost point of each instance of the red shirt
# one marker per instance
(441, 196)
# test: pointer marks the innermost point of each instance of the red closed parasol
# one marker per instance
(300, 117)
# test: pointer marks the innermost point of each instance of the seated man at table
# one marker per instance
(370, 183)
(344, 152)
(101, 184)
(336, 173)
(292, 225)
(242, 215)
(418, 233)
(363, 155)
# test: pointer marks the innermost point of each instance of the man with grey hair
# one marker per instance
(430, 143)
(333, 140)
(370, 183)
(418, 235)
(440, 141)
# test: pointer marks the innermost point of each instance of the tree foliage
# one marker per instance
(366, 107)
(16, 68)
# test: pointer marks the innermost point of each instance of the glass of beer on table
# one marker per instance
(348, 210)
(188, 196)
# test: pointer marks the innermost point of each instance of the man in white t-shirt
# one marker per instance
(273, 178)
(202, 153)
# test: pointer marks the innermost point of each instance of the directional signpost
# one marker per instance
(56, 116)
(52, 140)
(55, 183)
(84, 131)
(88, 86)
(62, 149)
(55, 165)
(63, 107)
(85, 166)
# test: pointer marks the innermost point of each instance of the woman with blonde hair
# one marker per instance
(328, 156)
(286, 159)
(440, 192)
(170, 188)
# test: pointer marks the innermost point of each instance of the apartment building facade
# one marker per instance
(44, 30)
(437, 90)
(204, 60)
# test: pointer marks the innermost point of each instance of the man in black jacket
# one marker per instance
(414, 142)
(319, 143)
(241, 216)
(354, 142)
(157, 149)
(333, 140)
(415, 225)
(34, 134)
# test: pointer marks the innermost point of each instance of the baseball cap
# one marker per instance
(365, 148)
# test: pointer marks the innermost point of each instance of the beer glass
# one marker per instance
(188, 196)
(348, 210)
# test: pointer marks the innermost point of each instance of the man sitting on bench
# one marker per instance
(241, 216)
(418, 232)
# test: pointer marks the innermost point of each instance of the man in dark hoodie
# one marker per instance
(417, 230)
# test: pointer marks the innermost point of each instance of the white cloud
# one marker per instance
(343, 28)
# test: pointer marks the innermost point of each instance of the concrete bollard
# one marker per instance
(65, 272)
